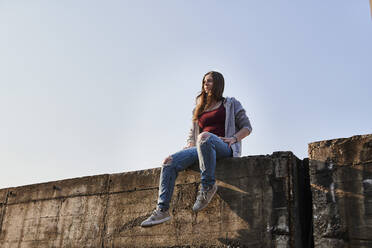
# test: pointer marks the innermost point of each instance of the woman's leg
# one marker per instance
(169, 171)
(210, 147)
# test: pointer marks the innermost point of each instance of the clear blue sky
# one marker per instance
(93, 87)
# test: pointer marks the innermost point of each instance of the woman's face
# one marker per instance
(208, 83)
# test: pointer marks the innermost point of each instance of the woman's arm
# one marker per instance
(190, 142)
(244, 132)
(242, 124)
(241, 118)
(241, 134)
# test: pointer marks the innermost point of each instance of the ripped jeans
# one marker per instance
(207, 150)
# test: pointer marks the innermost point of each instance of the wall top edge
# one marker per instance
(274, 155)
(340, 140)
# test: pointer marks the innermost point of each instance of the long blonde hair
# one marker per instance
(204, 100)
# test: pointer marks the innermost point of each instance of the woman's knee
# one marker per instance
(167, 161)
(202, 137)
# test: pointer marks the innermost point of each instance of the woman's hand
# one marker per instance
(229, 141)
(244, 132)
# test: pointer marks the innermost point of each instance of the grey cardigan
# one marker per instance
(236, 119)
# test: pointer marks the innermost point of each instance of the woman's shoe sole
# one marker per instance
(156, 222)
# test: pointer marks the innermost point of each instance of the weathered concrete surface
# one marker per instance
(65, 213)
(3, 201)
(254, 207)
(259, 203)
(341, 183)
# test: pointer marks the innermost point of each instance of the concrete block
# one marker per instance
(256, 205)
(135, 180)
(70, 187)
(341, 183)
(68, 222)
(3, 195)
(3, 200)
(344, 151)
(253, 205)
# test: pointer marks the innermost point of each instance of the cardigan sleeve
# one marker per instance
(191, 137)
(241, 118)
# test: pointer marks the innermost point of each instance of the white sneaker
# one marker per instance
(158, 216)
(204, 197)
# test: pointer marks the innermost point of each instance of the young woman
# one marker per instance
(219, 124)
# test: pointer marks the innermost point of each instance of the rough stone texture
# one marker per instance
(341, 184)
(3, 201)
(255, 207)
(261, 202)
(65, 213)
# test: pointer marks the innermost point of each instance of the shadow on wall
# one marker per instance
(239, 200)
(251, 204)
(240, 204)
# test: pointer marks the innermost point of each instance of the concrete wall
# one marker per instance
(262, 201)
(341, 184)
(65, 213)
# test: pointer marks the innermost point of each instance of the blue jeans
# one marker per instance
(207, 151)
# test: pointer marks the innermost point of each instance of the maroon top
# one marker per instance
(213, 121)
